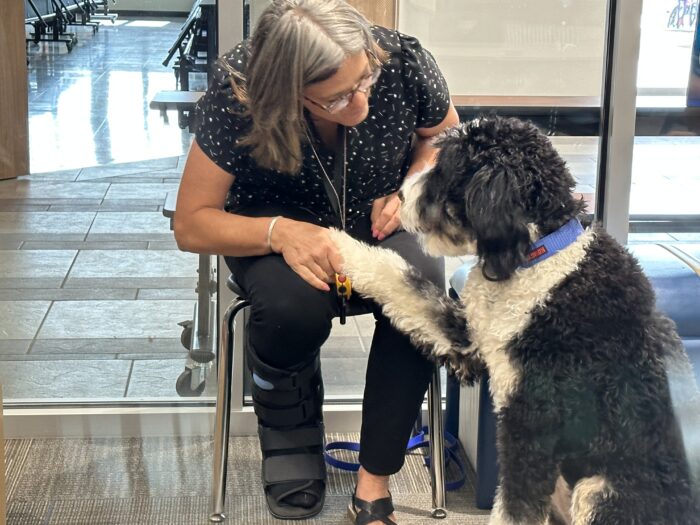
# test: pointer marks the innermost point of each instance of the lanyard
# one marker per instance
(339, 181)
(343, 286)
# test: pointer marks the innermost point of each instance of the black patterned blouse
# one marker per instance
(410, 93)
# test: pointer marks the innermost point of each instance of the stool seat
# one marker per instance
(235, 287)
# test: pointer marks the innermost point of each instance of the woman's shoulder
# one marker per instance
(229, 71)
(233, 62)
(396, 43)
(236, 58)
(387, 39)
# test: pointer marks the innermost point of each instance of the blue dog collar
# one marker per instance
(556, 241)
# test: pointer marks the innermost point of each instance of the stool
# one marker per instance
(223, 410)
(183, 101)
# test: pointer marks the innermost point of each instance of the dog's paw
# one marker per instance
(359, 257)
(369, 268)
(354, 252)
(343, 241)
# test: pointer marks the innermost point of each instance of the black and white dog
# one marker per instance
(589, 381)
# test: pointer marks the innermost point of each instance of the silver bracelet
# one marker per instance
(269, 231)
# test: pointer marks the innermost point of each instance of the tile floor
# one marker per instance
(93, 287)
(92, 283)
(90, 106)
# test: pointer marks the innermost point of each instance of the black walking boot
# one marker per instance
(290, 426)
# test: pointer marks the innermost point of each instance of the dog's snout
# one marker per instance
(401, 197)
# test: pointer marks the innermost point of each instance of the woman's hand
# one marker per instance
(385, 216)
(308, 250)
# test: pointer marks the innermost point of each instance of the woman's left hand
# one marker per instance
(385, 216)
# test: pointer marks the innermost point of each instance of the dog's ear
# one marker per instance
(495, 211)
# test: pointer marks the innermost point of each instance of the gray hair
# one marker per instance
(296, 43)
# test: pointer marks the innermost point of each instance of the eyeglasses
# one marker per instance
(342, 102)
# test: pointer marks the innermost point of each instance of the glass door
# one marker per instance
(664, 205)
(534, 59)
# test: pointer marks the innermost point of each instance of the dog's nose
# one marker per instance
(400, 195)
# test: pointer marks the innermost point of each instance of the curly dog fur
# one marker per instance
(589, 381)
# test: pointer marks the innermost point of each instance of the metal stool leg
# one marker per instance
(437, 446)
(223, 410)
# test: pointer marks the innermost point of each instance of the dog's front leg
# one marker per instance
(434, 322)
(528, 471)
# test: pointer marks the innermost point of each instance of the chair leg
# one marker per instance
(223, 410)
(437, 446)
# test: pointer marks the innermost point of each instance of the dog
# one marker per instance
(590, 383)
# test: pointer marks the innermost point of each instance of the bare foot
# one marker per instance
(371, 487)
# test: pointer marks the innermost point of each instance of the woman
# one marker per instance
(315, 123)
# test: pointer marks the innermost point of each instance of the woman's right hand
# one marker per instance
(308, 250)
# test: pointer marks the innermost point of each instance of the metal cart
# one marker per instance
(199, 333)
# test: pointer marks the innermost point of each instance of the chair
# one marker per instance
(223, 410)
(198, 337)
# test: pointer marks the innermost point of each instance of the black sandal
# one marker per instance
(362, 512)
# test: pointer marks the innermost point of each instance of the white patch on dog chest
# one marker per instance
(499, 311)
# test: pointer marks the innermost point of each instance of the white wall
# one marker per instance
(179, 6)
(512, 47)
(230, 24)
(256, 9)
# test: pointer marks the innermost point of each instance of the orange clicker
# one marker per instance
(343, 288)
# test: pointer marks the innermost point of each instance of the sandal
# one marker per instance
(362, 512)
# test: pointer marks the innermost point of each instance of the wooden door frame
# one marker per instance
(377, 12)
(14, 111)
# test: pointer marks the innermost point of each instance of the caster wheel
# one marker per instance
(186, 335)
(183, 385)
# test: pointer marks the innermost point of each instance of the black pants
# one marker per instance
(290, 320)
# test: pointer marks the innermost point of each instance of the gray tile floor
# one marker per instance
(93, 287)
(90, 107)
(92, 284)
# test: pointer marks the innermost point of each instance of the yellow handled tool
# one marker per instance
(343, 288)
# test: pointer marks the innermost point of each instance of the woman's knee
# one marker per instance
(288, 316)
(287, 329)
